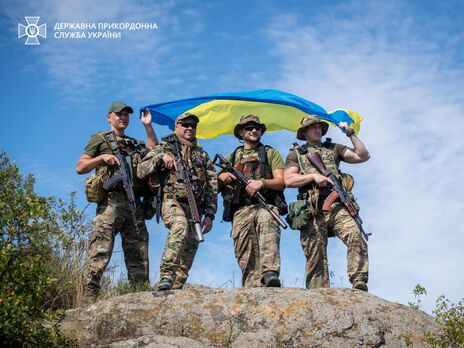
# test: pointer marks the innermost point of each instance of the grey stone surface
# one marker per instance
(260, 317)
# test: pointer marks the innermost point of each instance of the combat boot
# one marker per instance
(165, 284)
(271, 280)
(360, 285)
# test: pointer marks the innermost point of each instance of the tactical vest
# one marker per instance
(325, 151)
(254, 166)
(134, 151)
(196, 166)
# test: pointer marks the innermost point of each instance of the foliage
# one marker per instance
(68, 259)
(417, 291)
(450, 317)
(111, 288)
(30, 237)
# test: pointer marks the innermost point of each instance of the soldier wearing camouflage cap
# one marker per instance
(113, 212)
(314, 188)
(160, 166)
(255, 233)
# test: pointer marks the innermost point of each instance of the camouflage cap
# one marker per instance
(247, 119)
(309, 120)
(187, 115)
(118, 106)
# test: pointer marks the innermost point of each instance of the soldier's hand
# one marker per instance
(169, 162)
(206, 224)
(226, 177)
(145, 117)
(109, 159)
(322, 180)
(253, 186)
(345, 127)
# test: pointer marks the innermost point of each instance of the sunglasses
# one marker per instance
(189, 125)
(251, 128)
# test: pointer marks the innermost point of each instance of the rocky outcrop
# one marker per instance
(259, 317)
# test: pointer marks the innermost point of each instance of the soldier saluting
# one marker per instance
(115, 213)
(162, 165)
(314, 188)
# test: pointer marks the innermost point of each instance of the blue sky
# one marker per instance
(397, 63)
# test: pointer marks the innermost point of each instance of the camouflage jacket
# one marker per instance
(200, 167)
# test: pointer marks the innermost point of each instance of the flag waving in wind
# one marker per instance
(219, 113)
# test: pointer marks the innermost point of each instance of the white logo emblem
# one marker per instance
(32, 30)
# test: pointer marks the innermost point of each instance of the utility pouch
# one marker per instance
(298, 214)
(94, 190)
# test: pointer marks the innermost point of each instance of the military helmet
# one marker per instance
(308, 120)
(247, 119)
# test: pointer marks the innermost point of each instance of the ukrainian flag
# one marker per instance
(219, 113)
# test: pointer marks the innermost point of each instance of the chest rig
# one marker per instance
(133, 152)
(252, 164)
(196, 167)
(312, 193)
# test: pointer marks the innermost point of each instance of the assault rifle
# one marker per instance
(183, 175)
(338, 191)
(242, 180)
(123, 175)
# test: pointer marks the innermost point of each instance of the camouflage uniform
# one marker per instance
(336, 222)
(181, 246)
(255, 233)
(114, 215)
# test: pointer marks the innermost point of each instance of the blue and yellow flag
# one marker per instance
(219, 113)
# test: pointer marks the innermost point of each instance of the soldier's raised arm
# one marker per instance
(358, 153)
(152, 139)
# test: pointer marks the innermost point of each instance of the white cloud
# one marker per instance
(79, 68)
(380, 62)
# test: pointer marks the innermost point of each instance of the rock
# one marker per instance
(259, 317)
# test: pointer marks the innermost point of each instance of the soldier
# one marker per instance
(113, 210)
(255, 233)
(181, 246)
(314, 188)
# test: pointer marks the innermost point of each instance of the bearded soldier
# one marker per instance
(314, 188)
(255, 232)
(113, 207)
(161, 166)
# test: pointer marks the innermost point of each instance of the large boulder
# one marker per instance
(260, 317)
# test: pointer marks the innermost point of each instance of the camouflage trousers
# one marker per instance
(256, 238)
(181, 246)
(114, 216)
(314, 242)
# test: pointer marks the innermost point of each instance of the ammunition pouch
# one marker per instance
(298, 214)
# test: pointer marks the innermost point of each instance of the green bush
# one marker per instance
(31, 239)
(450, 317)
